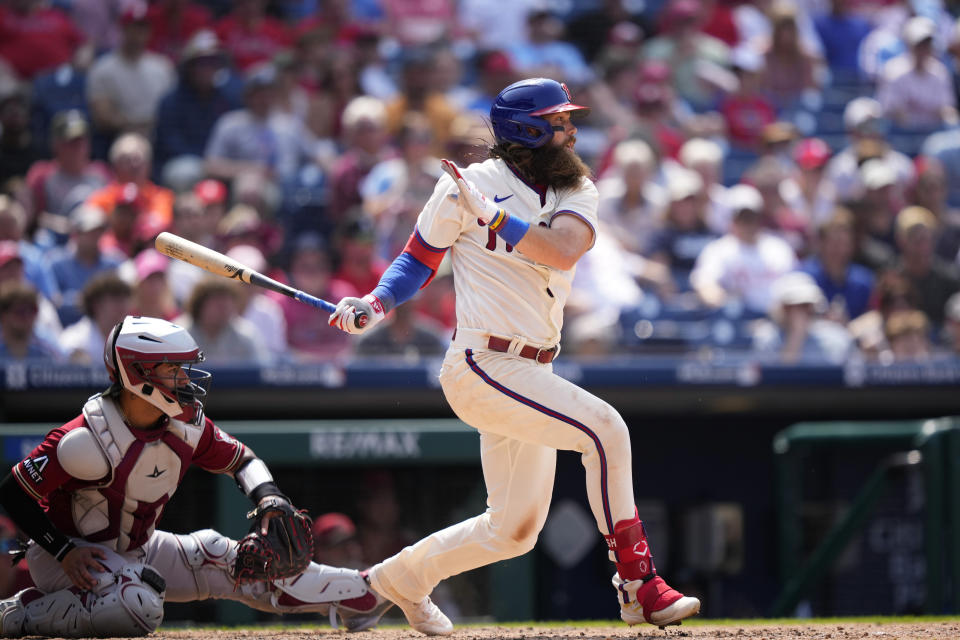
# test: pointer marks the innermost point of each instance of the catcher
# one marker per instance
(89, 497)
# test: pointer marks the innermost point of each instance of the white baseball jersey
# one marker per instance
(523, 411)
(499, 290)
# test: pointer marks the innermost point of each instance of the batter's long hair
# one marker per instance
(557, 167)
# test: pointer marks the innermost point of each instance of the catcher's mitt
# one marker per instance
(284, 552)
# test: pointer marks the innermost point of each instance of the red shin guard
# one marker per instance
(629, 546)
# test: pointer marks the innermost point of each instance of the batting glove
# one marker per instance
(470, 197)
(344, 317)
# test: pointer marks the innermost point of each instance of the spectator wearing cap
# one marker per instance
(106, 301)
(930, 191)
(806, 192)
(125, 85)
(20, 339)
(746, 110)
(907, 333)
(255, 306)
(841, 31)
(495, 70)
(173, 23)
(891, 292)
(366, 143)
(212, 316)
(251, 36)
(655, 110)
(694, 57)
(934, 279)
(335, 542)
(469, 139)
(847, 286)
(35, 37)
(796, 331)
(770, 175)
(684, 232)
(52, 183)
(187, 114)
(864, 122)
(13, 228)
(742, 265)
(45, 322)
(308, 335)
(790, 73)
(19, 148)
(706, 158)
(875, 213)
(131, 157)
(259, 138)
(213, 196)
(631, 202)
(915, 89)
(81, 259)
(151, 288)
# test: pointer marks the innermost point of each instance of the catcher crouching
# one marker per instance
(90, 495)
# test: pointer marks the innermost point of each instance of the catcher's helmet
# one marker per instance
(137, 345)
(516, 113)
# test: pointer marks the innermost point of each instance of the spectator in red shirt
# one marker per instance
(357, 260)
(251, 36)
(308, 334)
(173, 22)
(34, 37)
(52, 183)
(746, 111)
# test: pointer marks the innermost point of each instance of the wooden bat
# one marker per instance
(219, 264)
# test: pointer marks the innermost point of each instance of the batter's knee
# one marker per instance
(611, 428)
(515, 539)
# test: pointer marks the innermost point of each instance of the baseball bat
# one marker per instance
(219, 264)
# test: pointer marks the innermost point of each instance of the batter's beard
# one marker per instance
(550, 165)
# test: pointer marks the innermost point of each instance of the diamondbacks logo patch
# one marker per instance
(34, 468)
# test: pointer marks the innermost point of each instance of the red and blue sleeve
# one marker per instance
(412, 270)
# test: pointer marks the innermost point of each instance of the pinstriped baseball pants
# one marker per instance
(524, 414)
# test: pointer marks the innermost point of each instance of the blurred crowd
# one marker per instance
(778, 177)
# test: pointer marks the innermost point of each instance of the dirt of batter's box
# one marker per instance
(949, 630)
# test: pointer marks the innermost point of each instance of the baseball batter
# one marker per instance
(89, 496)
(516, 225)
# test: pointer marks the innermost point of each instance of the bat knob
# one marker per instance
(361, 321)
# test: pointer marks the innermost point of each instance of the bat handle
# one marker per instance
(315, 302)
(360, 321)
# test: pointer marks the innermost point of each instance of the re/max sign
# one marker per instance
(345, 445)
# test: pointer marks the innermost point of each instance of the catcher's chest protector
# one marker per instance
(144, 474)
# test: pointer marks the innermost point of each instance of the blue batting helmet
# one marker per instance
(517, 112)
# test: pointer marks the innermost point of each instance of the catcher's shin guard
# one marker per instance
(340, 593)
(131, 606)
